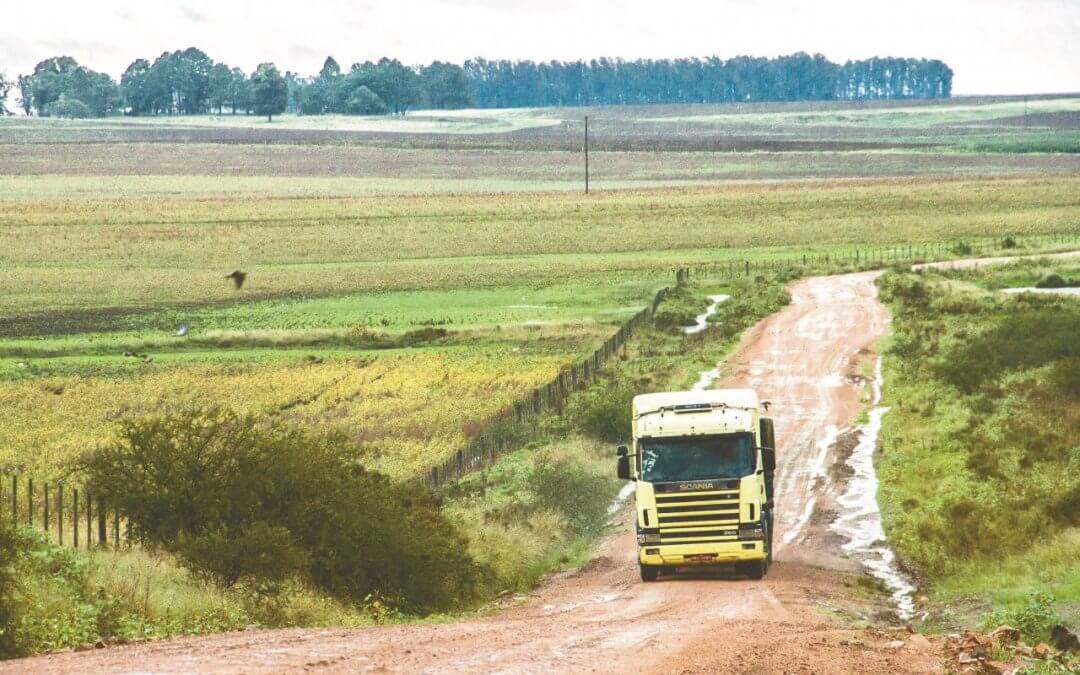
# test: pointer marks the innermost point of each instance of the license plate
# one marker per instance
(701, 557)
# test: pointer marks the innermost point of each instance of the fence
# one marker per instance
(832, 259)
(70, 515)
(494, 440)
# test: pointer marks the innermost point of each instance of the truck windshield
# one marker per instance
(697, 458)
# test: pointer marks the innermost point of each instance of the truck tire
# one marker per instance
(768, 537)
(649, 572)
(757, 569)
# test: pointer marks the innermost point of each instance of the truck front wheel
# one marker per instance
(649, 572)
(757, 569)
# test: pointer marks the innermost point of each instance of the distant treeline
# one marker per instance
(189, 82)
(798, 77)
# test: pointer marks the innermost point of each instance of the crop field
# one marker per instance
(405, 408)
(408, 278)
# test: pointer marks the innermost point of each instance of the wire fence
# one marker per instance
(496, 439)
(69, 514)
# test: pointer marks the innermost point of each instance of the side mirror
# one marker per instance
(623, 467)
(622, 451)
(768, 458)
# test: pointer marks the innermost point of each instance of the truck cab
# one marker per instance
(703, 464)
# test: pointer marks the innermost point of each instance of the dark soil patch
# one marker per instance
(841, 471)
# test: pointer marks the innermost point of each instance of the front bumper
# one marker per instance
(713, 553)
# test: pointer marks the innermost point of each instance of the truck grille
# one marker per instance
(698, 517)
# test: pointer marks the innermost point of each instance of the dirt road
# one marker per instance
(806, 360)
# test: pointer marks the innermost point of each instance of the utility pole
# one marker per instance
(586, 154)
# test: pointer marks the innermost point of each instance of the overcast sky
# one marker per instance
(995, 46)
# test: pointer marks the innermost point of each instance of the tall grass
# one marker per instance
(979, 459)
(63, 598)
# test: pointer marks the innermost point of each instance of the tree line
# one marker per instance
(188, 82)
(183, 82)
(796, 77)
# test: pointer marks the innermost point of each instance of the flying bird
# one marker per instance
(182, 331)
(238, 278)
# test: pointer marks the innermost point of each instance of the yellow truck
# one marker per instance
(703, 464)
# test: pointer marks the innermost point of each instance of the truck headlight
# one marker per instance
(752, 531)
(646, 538)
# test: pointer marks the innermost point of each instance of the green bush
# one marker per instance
(962, 248)
(564, 486)
(750, 302)
(1027, 336)
(1034, 620)
(71, 108)
(603, 410)
(365, 102)
(10, 547)
(239, 499)
(680, 308)
(1052, 281)
(260, 553)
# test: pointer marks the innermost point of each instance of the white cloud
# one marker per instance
(995, 46)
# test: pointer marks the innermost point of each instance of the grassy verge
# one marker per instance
(979, 461)
(64, 598)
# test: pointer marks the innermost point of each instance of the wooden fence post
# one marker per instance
(60, 511)
(45, 517)
(89, 522)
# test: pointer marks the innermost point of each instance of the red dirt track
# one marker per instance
(804, 360)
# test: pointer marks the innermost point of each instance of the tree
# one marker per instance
(396, 84)
(240, 92)
(5, 87)
(446, 86)
(270, 92)
(137, 87)
(330, 69)
(220, 86)
(80, 87)
(25, 101)
(192, 80)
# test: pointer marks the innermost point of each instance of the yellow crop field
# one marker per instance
(409, 410)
